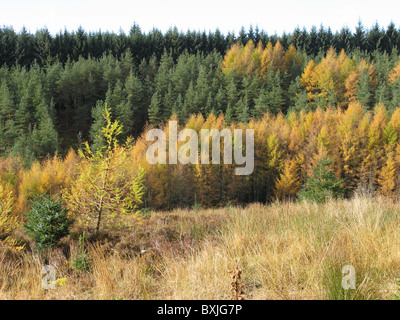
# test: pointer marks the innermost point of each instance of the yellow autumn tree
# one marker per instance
(308, 80)
(394, 74)
(249, 59)
(8, 222)
(327, 80)
(106, 191)
(288, 184)
(387, 176)
(230, 59)
(48, 177)
(349, 143)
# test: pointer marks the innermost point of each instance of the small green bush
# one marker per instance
(82, 261)
(322, 185)
(47, 222)
(196, 206)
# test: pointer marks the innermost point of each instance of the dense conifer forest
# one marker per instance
(53, 87)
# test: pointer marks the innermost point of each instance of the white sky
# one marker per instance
(227, 15)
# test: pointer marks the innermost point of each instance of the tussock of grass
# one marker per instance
(285, 251)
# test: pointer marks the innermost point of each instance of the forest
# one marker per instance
(308, 94)
(53, 86)
(75, 184)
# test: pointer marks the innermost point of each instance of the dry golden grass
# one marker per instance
(285, 251)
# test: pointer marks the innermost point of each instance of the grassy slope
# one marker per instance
(285, 251)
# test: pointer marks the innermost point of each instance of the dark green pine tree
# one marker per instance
(44, 138)
(155, 110)
(313, 47)
(163, 76)
(179, 108)
(23, 115)
(109, 96)
(232, 92)
(44, 46)
(202, 89)
(122, 109)
(8, 43)
(242, 112)
(322, 185)
(274, 93)
(98, 123)
(363, 90)
(210, 106)
(124, 115)
(8, 128)
(374, 38)
(251, 89)
(80, 43)
(261, 104)
(242, 36)
(359, 37)
(169, 100)
(138, 99)
(331, 99)
(118, 94)
(25, 50)
(7, 108)
(8, 135)
(229, 115)
(382, 93)
(394, 88)
(293, 90)
(120, 44)
(301, 102)
(191, 100)
(220, 101)
(392, 38)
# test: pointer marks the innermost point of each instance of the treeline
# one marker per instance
(361, 148)
(54, 101)
(24, 48)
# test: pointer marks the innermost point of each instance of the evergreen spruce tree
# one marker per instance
(322, 185)
(363, 90)
(229, 115)
(382, 93)
(124, 115)
(191, 100)
(44, 136)
(23, 116)
(178, 108)
(301, 101)
(168, 103)
(155, 110)
(242, 111)
(138, 100)
(98, 123)
(261, 104)
(7, 107)
(8, 129)
(220, 101)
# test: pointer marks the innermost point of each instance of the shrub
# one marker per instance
(47, 222)
(82, 260)
(322, 185)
